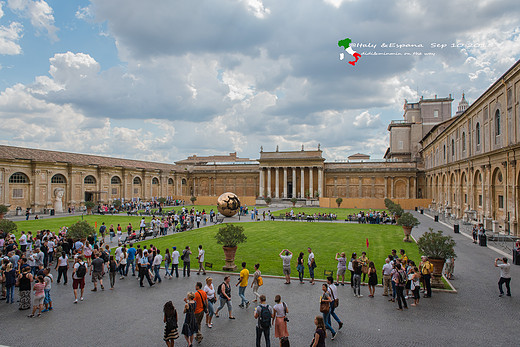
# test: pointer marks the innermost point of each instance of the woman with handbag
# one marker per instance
(325, 301)
(210, 292)
(364, 261)
(280, 320)
(320, 334)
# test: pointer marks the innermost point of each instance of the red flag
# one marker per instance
(367, 242)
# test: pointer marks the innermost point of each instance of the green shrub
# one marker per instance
(436, 245)
(80, 230)
(230, 235)
(7, 226)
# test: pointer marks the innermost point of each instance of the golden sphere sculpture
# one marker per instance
(228, 204)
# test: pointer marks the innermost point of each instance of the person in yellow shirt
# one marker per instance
(404, 258)
(244, 278)
(426, 272)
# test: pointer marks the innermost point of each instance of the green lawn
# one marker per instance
(267, 239)
(342, 213)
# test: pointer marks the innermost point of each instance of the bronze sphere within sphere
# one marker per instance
(228, 204)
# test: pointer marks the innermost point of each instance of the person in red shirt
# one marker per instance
(201, 299)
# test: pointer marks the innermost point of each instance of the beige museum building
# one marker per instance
(462, 164)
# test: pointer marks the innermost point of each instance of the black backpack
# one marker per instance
(81, 271)
(219, 289)
(265, 317)
(402, 277)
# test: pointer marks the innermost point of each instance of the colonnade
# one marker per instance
(306, 174)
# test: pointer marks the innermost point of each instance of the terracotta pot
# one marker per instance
(229, 253)
(1, 216)
(438, 265)
(407, 233)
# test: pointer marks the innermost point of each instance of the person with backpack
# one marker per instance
(399, 277)
(264, 314)
(224, 292)
(426, 271)
(78, 277)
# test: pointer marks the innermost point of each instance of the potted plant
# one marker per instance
(339, 201)
(8, 226)
(193, 199)
(437, 247)
(161, 201)
(307, 194)
(316, 194)
(3, 210)
(117, 204)
(407, 221)
(89, 205)
(229, 236)
(80, 230)
(294, 201)
(268, 200)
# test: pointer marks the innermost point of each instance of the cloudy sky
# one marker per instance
(164, 79)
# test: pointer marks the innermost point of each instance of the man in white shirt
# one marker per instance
(175, 261)
(286, 256)
(23, 242)
(50, 251)
(505, 275)
(387, 277)
(333, 292)
(142, 226)
(118, 253)
(157, 260)
(312, 264)
(200, 259)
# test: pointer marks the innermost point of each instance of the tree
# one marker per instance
(8, 226)
(294, 201)
(161, 201)
(408, 220)
(339, 201)
(3, 209)
(434, 244)
(193, 199)
(230, 235)
(117, 204)
(80, 230)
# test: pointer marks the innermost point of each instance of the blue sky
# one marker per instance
(165, 79)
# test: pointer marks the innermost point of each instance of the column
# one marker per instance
(408, 188)
(347, 186)
(261, 182)
(392, 189)
(285, 183)
(293, 182)
(269, 182)
(513, 218)
(320, 181)
(302, 182)
(311, 183)
(483, 174)
(277, 181)
(360, 187)
(386, 188)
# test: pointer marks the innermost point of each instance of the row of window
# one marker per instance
(20, 177)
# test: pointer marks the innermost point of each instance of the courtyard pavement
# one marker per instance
(132, 316)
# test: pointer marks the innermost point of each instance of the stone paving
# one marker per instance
(132, 316)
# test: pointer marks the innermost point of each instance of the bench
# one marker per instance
(144, 235)
(208, 265)
(219, 220)
(328, 273)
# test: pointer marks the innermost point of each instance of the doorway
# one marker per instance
(89, 196)
(289, 190)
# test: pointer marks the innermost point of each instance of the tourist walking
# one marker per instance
(189, 328)
(300, 267)
(210, 293)
(342, 267)
(399, 278)
(175, 262)
(171, 332)
(167, 262)
(351, 268)
(320, 334)
(286, 256)
(333, 293)
(200, 259)
(97, 269)
(24, 287)
(280, 322)
(264, 315)
(201, 298)
(143, 269)
(39, 296)
(243, 280)
(372, 279)
(78, 277)
(311, 263)
(356, 267)
(325, 301)
(47, 279)
(157, 260)
(505, 275)
(186, 261)
(257, 282)
(387, 277)
(62, 265)
(130, 260)
(224, 292)
(112, 271)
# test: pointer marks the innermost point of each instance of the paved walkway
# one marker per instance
(132, 316)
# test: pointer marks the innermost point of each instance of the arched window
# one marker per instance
(477, 133)
(497, 123)
(183, 182)
(170, 181)
(155, 181)
(137, 180)
(115, 180)
(452, 147)
(89, 180)
(18, 177)
(58, 178)
(464, 142)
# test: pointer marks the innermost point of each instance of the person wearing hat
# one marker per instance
(175, 261)
(143, 269)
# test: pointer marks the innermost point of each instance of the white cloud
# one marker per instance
(257, 8)
(9, 37)
(365, 120)
(84, 13)
(38, 12)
